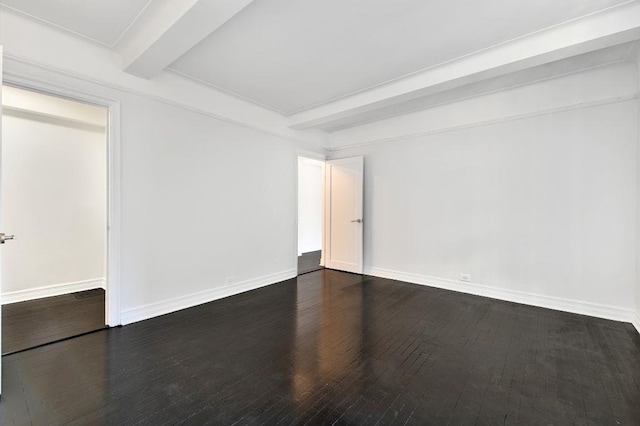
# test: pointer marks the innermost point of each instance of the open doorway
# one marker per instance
(54, 184)
(310, 214)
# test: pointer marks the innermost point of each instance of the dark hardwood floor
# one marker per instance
(309, 262)
(36, 322)
(335, 348)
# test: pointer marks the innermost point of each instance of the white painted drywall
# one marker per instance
(208, 204)
(32, 41)
(54, 200)
(589, 87)
(542, 205)
(310, 202)
(637, 316)
(203, 200)
(54, 108)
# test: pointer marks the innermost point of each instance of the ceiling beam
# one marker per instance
(596, 31)
(169, 28)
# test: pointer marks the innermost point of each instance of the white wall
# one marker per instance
(30, 41)
(203, 200)
(208, 207)
(54, 200)
(540, 209)
(310, 205)
(590, 87)
(54, 108)
(637, 316)
(525, 200)
(208, 204)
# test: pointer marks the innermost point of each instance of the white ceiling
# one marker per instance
(331, 64)
(547, 71)
(291, 55)
(104, 21)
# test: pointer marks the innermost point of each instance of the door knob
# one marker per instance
(357, 220)
(4, 237)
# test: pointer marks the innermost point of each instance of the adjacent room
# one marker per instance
(54, 199)
(320, 213)
(310, 214)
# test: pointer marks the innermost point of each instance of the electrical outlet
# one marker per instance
(465, 277)
(230, 280)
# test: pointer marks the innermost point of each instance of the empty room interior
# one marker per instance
(54, 198)
(320, 213)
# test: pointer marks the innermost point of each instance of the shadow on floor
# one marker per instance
(36, 322)
(309, 262)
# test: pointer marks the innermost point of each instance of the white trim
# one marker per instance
(223, 90)
(1, 216)
(183, 302)
(488, 122)
(323, 255)
(355, 165)
(311, 154)
(112, 311)
(296, 242)
(78, 34)
(466, 56)
(480, 94)
(55, 118)
(131, 24)
(560, 304)
(52, 290)
(636, 321)
(615, 25)
(114, 216)
(59, 27)
(157, 98)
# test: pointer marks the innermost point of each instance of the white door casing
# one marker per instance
(1, 219)
(343, 214)
(112, 301)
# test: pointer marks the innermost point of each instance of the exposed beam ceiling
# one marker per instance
(610, 55)
(169, 28)
(597, 31)
(330, 65)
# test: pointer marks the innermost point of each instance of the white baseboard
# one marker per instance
(559, 304)
(167, 306)
(52, 290)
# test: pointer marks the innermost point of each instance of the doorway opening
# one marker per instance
(55, 200)
(310, 214)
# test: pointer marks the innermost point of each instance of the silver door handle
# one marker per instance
(357, 220)
(4, 237)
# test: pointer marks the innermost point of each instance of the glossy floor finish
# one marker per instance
(335, 348)
(309, 262)
(36, 322)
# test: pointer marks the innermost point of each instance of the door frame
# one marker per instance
(328, 220)
(114, 206)
(318, 157)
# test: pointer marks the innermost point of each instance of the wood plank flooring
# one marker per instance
(36, 322)
(332, 348)
(309, 262)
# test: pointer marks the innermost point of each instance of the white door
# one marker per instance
(1, 221)
(343, 214)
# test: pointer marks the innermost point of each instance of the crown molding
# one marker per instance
(606, 28)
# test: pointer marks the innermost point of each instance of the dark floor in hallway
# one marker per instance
(336, 348)
(309, 262)
(36, 322)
